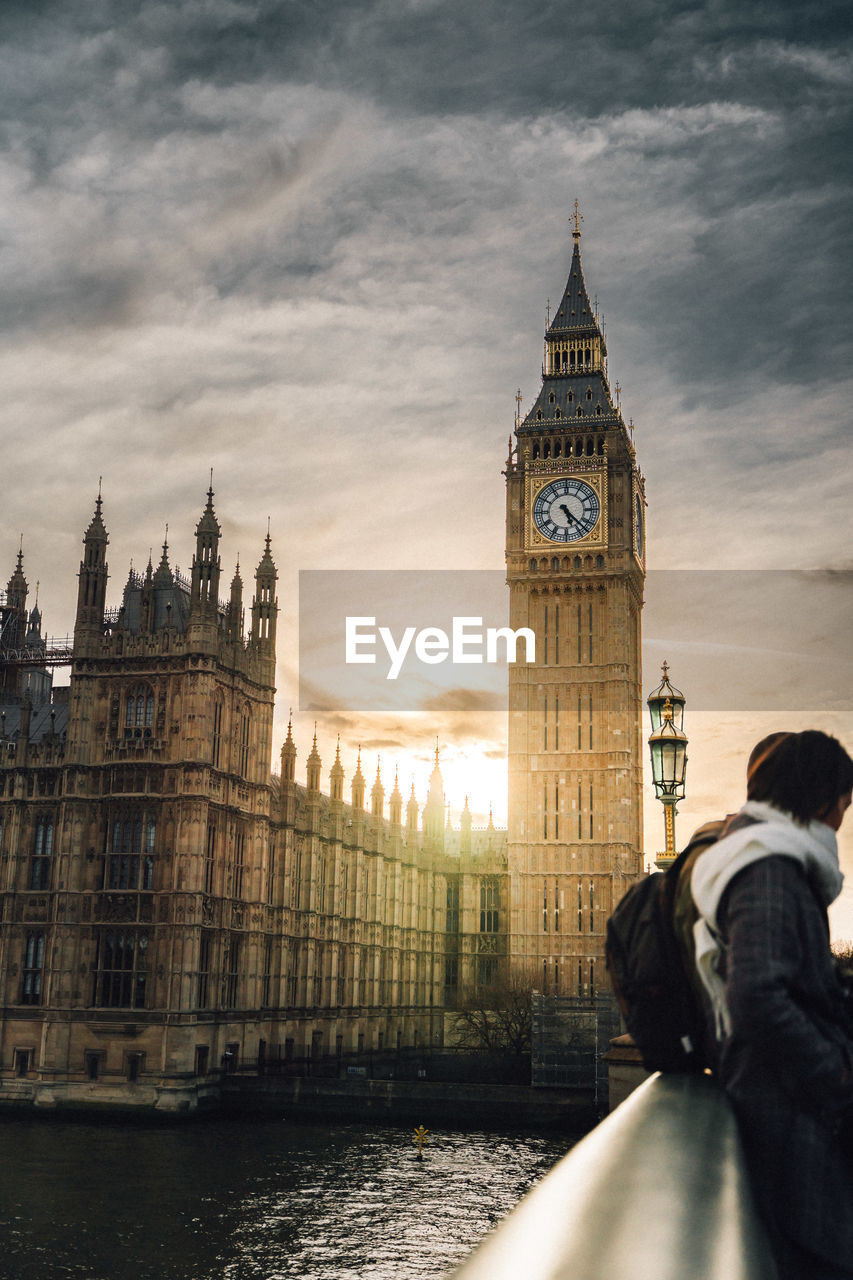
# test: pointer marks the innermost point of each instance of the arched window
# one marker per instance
(599, 562)
(557, 413)
(243, 755)
(580, 412)
(130, 853)
(216, 739)
(32, 968)
(534, 565)
(488, 905)
(41, 860)
(139, 710)
(121, 969)
(555, 563)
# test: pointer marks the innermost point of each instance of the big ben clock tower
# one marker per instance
(575, 566)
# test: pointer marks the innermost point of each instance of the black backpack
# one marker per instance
(648, 966)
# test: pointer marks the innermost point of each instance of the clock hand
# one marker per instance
(567, 513)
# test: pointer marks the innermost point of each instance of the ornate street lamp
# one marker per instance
(668, 746)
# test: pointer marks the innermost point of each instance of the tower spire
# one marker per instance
(204, 595)
(93, 576)
(265, 602)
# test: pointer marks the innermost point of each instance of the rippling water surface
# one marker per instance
(237, 1200)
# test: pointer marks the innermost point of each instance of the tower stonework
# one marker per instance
(575, 568)
(135, 828)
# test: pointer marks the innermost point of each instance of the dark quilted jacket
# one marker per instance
(788, 1064)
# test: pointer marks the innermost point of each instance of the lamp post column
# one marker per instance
(668, 746)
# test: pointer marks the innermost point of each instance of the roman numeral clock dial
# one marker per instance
(566, 510)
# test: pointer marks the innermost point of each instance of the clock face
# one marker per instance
(638, 523)
(566, 510)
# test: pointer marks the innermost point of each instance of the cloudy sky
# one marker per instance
(311, 245)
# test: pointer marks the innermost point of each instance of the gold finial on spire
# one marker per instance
(577, 219)
(548, 314)
(518, 408)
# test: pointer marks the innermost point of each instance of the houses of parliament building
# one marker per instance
(170, 907)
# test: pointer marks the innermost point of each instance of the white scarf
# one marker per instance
(814, 846)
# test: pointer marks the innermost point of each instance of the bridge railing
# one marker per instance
(657, 1191)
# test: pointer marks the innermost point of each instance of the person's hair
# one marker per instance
(802, 773)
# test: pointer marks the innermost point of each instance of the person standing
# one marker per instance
(778, 1010)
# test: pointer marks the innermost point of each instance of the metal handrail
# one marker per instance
(658, 1189)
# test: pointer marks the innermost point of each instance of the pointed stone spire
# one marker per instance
(96, 532)
(235, 606)
(164, 577)
(204, 593)
(336, 775)
(34, 628)
(265, 603)
(358, 784)
(412, 816)
(313, 765)
(395, 804)
(146, 603)
(465, 829)
(377, 795)
(433, 815)
(288, 754)
(17, 586)
(92, 579)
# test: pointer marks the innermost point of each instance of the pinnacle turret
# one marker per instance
(336, 775)
(358, 784)
(265, 602)
(235, 606)
(395, 804)
(92, 578)
(377, 795)
(313, 765)
(163, 577)
(288, 754)
(204, 593)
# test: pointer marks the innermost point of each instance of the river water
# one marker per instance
(252, 1200)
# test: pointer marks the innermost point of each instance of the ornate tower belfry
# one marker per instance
(575, 566)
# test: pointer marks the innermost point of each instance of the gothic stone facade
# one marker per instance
(169, 909)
